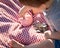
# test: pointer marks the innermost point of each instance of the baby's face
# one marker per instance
(42, 7)
(36, 10)
(39, 9)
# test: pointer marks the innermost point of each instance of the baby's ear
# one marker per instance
(16, 44)
(44, 6)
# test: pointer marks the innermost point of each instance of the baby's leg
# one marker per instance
(46, 44)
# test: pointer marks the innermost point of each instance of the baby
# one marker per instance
(32, 21)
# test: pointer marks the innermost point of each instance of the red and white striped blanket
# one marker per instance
(10, 26)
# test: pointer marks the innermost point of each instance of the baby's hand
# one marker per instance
(47, 34)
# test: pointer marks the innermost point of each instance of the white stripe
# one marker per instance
(44, 13)
(9, 16)
(21, 9)
(6, 15)
(5, 23)
(8, 7)
(15, 4)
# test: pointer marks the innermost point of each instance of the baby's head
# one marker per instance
(36, 3)
(33, 3)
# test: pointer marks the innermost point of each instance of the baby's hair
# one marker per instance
(33, 3)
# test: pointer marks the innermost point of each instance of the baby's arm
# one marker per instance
(52, 35)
